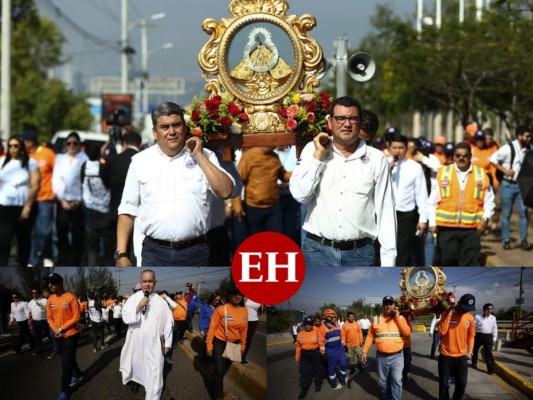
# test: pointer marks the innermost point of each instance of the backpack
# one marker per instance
(499, 174)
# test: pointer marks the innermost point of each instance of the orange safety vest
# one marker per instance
(388, 335)
(461, 209)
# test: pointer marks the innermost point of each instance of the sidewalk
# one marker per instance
(513, 365)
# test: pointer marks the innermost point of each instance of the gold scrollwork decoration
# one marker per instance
(240, 8)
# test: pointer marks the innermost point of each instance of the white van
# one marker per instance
(59, 138)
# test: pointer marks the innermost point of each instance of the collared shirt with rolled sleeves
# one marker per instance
(349, 198)
(19, 311)
(169, 196)
(410, 191)
(38, 309)
(487, 325)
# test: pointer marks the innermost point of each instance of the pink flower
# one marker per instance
(307, 96)
(291, 124)
(292, 111)
(311, 117)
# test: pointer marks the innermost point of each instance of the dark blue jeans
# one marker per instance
(41, 235)
(435, 343)
(264, 219)
(221, 366)
(40, 328)
(154, 254)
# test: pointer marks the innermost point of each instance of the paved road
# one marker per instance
(283, 378)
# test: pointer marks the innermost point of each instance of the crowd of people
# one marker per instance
(151, 318)
(335, 350)
(357, 200)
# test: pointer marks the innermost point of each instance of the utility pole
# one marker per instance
(461, 11)
(124, 48)
(520, 293)
(341, 66)
(5, 79)
(119, 271)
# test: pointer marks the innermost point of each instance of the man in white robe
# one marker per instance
(149, 338)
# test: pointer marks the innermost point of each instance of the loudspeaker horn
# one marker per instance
(361, 67)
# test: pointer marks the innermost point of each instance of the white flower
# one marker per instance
(235, 128)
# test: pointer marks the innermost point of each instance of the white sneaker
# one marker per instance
(339, 386)
(104, 347)
(47, 263)
(29, 265)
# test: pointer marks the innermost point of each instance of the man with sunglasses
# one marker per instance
(347, 186)
(20, 313)
(459, 207)
(67, 185)
(37, 306)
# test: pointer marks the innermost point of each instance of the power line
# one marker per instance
(84, 33)
(108, 13)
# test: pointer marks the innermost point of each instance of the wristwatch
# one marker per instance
(117, 255)
(59, 329)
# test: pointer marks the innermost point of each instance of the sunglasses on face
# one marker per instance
(461, 155)
(13, 145)
(341, 119)
(72, 143)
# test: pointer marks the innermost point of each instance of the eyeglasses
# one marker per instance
(34, 292)
(15, 146)
(341, 119)
(461, 155)
(71, 143)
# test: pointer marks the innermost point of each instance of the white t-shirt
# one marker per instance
(94, 314)
(253, 308)
(15, 182)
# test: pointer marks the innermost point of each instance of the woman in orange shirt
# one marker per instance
(236, 316)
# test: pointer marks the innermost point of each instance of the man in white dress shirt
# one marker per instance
(168, 193)
(20, 313)
(37, 319)
(410, 195)
(486, 336)
(149, 338)
(347, 187)
(365, 326)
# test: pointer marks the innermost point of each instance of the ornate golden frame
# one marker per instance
(307, 63)
(422, 296)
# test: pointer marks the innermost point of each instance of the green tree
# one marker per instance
(31, 278)
(37, 100)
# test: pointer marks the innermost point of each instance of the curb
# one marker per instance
(250, 378)
(280, 343)
(523, 384)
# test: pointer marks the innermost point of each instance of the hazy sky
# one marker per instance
(345, 285)
(182, 26)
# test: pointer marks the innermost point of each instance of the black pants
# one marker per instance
(220, 367)
(40, 329)
(459, 247)
(407, 222)
(407, 361)
(98, 330)
(435, 343)
(99, 234)
(456, 367)
(70, 232)
(24, 335)
(252, 326)
(118, 327)
(310, 368)
(11, 225)
(69, 365)
(485, 340)
(219, 247)
(179, 329)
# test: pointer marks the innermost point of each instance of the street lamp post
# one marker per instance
(145, 56)
(5, 79)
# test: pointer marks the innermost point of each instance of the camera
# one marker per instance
(117, 122)
(189, 285)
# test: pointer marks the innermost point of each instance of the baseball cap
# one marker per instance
(468, 302)
(53, 278)
(29, 135)
(449, 148)
(479, 135)
(309, 321)
(179, 292)
(441, 140)
(387, 299)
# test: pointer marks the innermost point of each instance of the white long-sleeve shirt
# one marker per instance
(434, 324)
(38, 309)
(349, 198)
(66, 179)
(503, 156)
(487, 325)
(409, 184)
(20, 311)
(434, 197)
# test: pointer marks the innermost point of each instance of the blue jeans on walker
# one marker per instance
(41, 235)
(510, 193)
(321, 255)
(390, 369)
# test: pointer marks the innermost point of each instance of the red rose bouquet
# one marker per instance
(406, 303)
(214, 115)
(442, 301)
(306, 113)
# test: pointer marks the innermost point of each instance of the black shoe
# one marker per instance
(474, 366)
(244, 361)
(507, 245)
(318, 388)
(524, 245)
(352, 370)
(302, 394)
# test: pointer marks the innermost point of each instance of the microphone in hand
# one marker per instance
(146, 294)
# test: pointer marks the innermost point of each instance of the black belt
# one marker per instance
(179, 245)
(340, 244)
(509, 181)
(389, 354)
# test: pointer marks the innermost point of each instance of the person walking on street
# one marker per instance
(434, 333)
(37, 319)
(486, 336)
(308, 358)
(63, 314)
(21, 313)
(508, 160)
(457, 331)
(388, 330)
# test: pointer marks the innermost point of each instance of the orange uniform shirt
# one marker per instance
(407, 339)
(388, 332)
(351, 334)
(180, 312)
(83, 306)
(237, 325)
(457, 334)
(306, 341)
(45, 159)
(63, 312)
(109, 302)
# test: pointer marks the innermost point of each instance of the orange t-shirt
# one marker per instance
(457, 333)
(306, 341)
(237, 325)
(83, 306)
(63, 312)
(180, 312)
(351, 334)
(45, 159)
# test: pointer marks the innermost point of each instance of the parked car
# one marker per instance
(59, 138)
